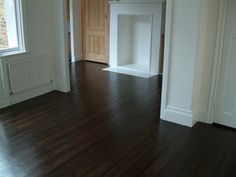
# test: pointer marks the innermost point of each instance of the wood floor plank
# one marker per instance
(108, 126)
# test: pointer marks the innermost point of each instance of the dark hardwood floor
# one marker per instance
(108, 126)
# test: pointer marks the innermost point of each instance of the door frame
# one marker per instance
(76, 30)
(63, 82)
(63, 47)
(217, 61)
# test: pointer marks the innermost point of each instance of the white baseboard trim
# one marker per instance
(129, 72)
(32, 93)
(77, 58)
(178, 116)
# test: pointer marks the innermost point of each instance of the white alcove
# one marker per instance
(135, 37)
(134, 42)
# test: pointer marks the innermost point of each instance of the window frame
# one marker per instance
(20, 32)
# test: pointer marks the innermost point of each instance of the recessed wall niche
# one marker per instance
(135, 31)
(134, 42)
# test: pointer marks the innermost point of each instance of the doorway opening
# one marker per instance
(162, 45)
(95, 33)
(73, 30)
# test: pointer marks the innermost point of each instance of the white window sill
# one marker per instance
(12, 53)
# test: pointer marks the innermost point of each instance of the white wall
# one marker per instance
(60, 47)
(180, 58)
(183, 51)
(189, 54)
(4, 99)
(2, 95)
(44, 39)
(134, 39)
(207, 47)
(154, 10)
(141, 39)
(38, 27)
(124, 42)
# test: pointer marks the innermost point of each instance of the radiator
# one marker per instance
(29, 73)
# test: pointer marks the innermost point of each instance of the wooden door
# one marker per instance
(95, 34)
(225, 112)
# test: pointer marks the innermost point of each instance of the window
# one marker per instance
(11, 27)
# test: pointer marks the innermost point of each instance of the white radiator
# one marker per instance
(29, 73)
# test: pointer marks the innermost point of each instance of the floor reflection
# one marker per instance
(8, 166)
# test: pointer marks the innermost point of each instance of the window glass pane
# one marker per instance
(8, 27)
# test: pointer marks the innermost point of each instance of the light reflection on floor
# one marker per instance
(8, 167)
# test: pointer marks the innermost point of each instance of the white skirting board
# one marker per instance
(121, 70)
(178, 116)
(28, 78)
(29, 94)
